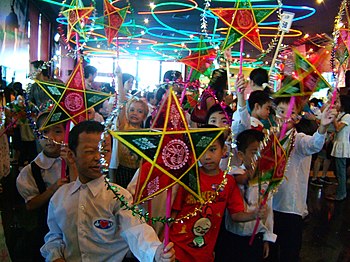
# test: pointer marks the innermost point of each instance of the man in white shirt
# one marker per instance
(86, 223)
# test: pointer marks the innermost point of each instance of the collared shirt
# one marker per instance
(250, 194)
(50, 172)
(291, 194)
(87, 224)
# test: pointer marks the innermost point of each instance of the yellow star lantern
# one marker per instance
(72, 100)
(170, 153)
(77, 18)
(114, 18)
(243, 21)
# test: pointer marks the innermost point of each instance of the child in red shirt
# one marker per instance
(195, 239)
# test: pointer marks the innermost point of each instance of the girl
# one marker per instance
(341, 146)
(125, 162)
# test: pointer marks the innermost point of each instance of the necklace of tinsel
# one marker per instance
(134, 209)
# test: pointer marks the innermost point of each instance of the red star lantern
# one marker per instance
(171, 151)
(243, 21)
(201, 60)
(77, 18)
(114, 18)
(72, 101)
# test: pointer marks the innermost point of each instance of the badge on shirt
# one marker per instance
(103, 223)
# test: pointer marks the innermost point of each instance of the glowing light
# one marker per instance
(146, 20)
(319, 1)
(140, 41)
(306, 36)
(143, 32)
(152, 5)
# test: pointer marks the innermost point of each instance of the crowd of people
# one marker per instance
(72, 217)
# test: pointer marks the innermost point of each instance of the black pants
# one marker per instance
(232, 247)
(289, 229)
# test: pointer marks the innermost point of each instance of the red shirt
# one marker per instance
(195, 239)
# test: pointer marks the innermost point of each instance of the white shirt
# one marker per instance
(291, 194)
(341, 144)
(240, 121)
(250, 196)
(87, 224)
(50, 172)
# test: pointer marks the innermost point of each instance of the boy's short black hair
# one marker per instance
(281, 100)
(85, 126)
(89, 70)
(259, 76)
(40, 64)
(247, 137)
(218, 108)
(171, 75)
(221, 138)
(258, 97)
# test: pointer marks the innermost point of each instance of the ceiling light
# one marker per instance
(152, 5)
(146, 20)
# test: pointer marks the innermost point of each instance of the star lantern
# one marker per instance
(306, 75)
(72, 100)
(170, 151)
(114, 18)
(77, 18)
(243, 21)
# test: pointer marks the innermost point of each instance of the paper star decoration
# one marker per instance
(243, 21)
(114, 18)
(72, 100)
(201, 60)
(172, 152)
(77, 18)
(307, 76)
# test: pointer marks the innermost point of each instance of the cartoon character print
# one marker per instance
(201, 228)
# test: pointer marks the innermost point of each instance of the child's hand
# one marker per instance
(327, 118)
(66, 154)
(60, 182)
(262, 212)
(118, 70)
(240, 86)
(166, 254)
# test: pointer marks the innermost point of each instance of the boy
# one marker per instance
(259, 104)
(236, 239)
(289, 203)
(39, 180)
(86, 222)
(195, 238)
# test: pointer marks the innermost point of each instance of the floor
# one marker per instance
(326, 235)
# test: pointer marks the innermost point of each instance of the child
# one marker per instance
(289, 203)
(259, 104)
(40, 179)
(125, 162)
(195, 238)
(236, 239)
(341, 146)
(86, 222)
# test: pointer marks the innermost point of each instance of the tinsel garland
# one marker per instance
(336, 32)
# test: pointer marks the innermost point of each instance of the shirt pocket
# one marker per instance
(103, 230)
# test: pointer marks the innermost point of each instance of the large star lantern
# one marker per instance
(307, 76)
(201, 60)
(114, 18)
(243, 21)
(171, 153)
(71, 101)
(77, 18)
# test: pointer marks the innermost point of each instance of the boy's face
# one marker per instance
(281, 113)
(211, 159)
(136, 113)
(87, 156)
(52, 134)
(263, 111)
(218, 119)
(248, 155)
